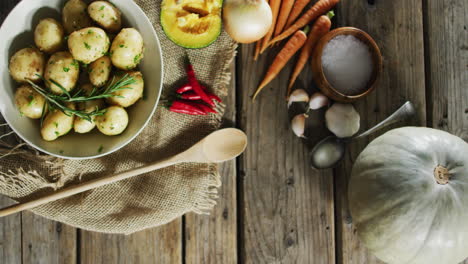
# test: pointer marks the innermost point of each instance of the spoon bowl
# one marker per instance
(224, 145)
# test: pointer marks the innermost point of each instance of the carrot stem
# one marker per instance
(289, 49)
(320, 8)
(284, 12)
(319, 29)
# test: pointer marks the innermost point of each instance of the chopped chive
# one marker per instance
(31, 100)
(100, 148)
(56, 124)
(66, 69)
(57, 133)
(102, 8)
(87, 46)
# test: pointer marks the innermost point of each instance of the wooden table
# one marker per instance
(273, 207)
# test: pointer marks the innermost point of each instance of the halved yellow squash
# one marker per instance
(191, 23)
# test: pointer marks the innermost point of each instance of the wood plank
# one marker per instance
(287, 212)
(46, 241)
(10, 227)
(10, 235)
(157, 245)
(397, 27)
(446, 25)
(213, 238)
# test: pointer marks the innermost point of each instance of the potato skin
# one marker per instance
(113, 122)
(99, 71)
(131, 95)
(29, 102)
(57, 124)
(26, 64)
(106, 15)
(49, 35)
(75, 16)
(127, 49)
(88, 44)
(63, 69)
(83, 126)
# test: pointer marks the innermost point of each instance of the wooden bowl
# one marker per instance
(319, 76)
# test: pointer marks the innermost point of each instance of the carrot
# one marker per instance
(286, 7)
(321, 7)
(289, 49)
(296, 11)
(257, 49)
(275, 6)
(319, 29)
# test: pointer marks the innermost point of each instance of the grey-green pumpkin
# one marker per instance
(408, 196)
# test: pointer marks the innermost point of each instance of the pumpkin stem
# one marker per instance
(441, 175)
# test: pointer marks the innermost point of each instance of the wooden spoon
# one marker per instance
(219, 146)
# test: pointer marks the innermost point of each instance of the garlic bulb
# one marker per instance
(317, 101)
(298, 125)
(343, 120)
(299, 95)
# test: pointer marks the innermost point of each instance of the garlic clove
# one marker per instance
(343, 120)
(317, 101)
(299, 95)
(298, 125)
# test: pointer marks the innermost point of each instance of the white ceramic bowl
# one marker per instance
(17, 33)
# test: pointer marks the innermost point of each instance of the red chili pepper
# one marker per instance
(186, 94)
(190, 96)
(196, 86)
(186, 108)
(207, 108)
(185, 88)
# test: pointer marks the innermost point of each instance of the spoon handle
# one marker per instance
(405, 112)
(86, 186)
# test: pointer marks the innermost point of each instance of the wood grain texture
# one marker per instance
(10, 234)
(397, 27)
(46, 241)
(157, 245)
(213, 238)
(447, 64)
(287, 207)
(446, 24)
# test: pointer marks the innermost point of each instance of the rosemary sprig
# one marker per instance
(59, 101)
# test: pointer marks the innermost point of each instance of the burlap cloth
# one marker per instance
(148, 200)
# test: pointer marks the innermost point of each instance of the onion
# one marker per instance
(247, 21)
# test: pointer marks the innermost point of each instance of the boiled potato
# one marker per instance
(75, 17)
(29, 102)
(49, 35)
(127, 49)
(64, 70)
(88, 44)
(128, 97)
(113, 122)
(99, 71)
(26, 64)
(57, 124)
(82, 125)
(106, 15)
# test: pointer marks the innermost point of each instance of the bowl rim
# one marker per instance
(141, 15)
(375, 51)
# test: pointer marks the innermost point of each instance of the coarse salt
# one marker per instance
(347, 64)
